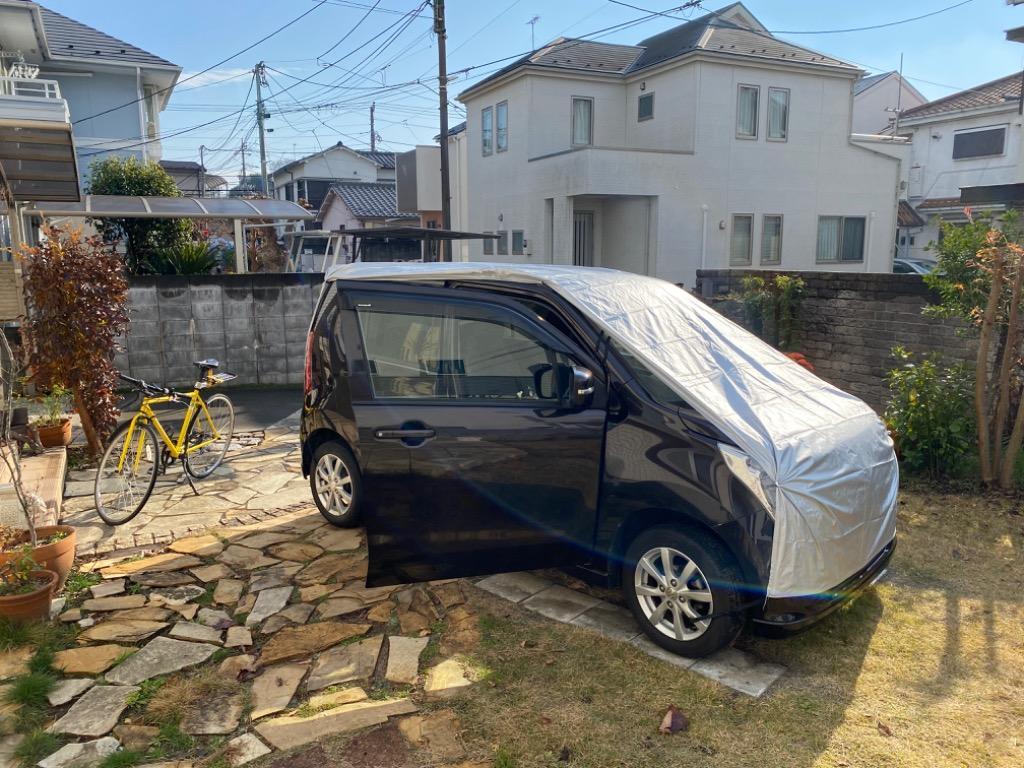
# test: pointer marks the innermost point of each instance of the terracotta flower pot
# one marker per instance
(31, 606)
(54, 436)
(58, 557)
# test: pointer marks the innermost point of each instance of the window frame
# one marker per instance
(757, 110)
(1001, 127)
(750, 242)
(782, 227)
(488, 243)
(487, 133)
(522, 242)
(640, 98)
(501, 242)
(485, 308)
(572, 121)
(842, 235)
(498, 109)
(768, 118)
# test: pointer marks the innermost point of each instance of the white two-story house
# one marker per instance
(965, 151)
(712, 144)
(310, 178)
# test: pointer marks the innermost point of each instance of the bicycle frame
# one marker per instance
(176, 448)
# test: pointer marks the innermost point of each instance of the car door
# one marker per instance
(503, 472)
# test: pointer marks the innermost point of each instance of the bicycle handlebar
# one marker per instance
(143, 386)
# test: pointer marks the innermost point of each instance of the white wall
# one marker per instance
(871, 108)
(337, 163)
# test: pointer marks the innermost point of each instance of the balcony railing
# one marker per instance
(29, 87)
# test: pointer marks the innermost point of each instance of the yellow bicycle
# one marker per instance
(140, 449)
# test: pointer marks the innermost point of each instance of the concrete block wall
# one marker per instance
(255, 325)
(850, 321)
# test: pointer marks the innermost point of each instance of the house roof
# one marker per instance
(457, 128)
(380, 159)
(869, 80)
(180, 165)
(906, 216)
(731, 30)
(69, 38)
(370, 199)
(995, 93)
(939, 203)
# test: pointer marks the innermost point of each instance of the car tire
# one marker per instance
(333, 478)
(711, 587)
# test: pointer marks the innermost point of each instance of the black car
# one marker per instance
(485, 419)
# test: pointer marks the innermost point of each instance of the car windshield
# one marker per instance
(648, 379)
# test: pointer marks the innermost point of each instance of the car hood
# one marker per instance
(828, 463)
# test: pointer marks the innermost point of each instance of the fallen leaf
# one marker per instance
(545, 720)
(528, 644)
(884, 729)
(564, 754)
(674, 721)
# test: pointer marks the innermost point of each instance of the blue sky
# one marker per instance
(953, 50)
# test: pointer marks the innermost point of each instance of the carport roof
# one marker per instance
(128, 206)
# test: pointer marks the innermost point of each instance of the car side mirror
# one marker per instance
(581, 388)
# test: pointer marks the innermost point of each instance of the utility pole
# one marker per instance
(202, 171)
(261, 116)
(373, 127)
(442, 88)
(242, 181)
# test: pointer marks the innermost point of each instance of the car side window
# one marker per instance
(458, 355)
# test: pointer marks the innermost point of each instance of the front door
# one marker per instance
(583, 239)
(502, 474)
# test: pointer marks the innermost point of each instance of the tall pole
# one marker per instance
(242, 180)
(373, 131)
(261, 115)
(442, 88)
(202, 171)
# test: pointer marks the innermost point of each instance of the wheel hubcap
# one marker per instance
(334, 484)
(673, 593)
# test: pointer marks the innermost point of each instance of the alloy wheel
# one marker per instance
(673, 593)
(333, 484)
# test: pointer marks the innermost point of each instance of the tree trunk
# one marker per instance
(1006, 365)
(95, 444)
(981, 373)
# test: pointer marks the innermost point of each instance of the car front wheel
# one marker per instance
(684, 590)
(336, 484)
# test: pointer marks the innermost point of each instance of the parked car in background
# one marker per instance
(487, 418)
(912, 266)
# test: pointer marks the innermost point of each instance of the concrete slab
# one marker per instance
(740, 671)
(652, 649)
(609, 620)
(515, 587)
(560, 603)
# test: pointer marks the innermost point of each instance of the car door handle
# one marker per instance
(404, 434)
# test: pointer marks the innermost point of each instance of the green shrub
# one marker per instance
(929, 413)
(772, 307)
(184, 259)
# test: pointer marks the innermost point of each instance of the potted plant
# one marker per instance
(54, 549)
(54, 426)
(25, 589)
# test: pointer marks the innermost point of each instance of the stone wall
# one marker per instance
(849, 322)
(255, 325)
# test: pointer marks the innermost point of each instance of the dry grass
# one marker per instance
(935, 655)
(183, 696)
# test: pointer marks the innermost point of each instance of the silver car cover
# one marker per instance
(827, 462)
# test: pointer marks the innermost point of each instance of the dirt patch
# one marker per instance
(383, 747)
(313, 757)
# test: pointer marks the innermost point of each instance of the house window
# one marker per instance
(501, 120)
(582, 121)
(503, 242)
(742, 235)
(645, 107)
(488, 244)
(487, 130)
(778, 114)
(746, 111)
(518, 242)
(987, 142)
(841, 238)
(771, 239)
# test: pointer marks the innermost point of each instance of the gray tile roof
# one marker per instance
(67, 37)
(709, 33)
(1002, 91)
(382, 159)
(868, 80)
(370, 200)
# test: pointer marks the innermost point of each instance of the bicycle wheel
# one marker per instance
(121, 493)
(200, 462)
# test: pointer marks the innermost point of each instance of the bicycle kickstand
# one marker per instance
(190, 483)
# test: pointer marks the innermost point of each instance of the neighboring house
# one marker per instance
(114, 90)
(191, 178)
(877, 98)
(309, 178)
(965, 150)
(359, 204)
(708, 145)
(419, 185)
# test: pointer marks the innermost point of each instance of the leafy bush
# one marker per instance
(184, 259)
(76, 297)
(929, 413)
(772, 306)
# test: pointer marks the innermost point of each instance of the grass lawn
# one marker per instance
(926, 669)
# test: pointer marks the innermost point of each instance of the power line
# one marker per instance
(211, 67)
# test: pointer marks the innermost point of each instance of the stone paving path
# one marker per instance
(261, 478)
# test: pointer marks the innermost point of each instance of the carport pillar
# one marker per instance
(240, 259)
